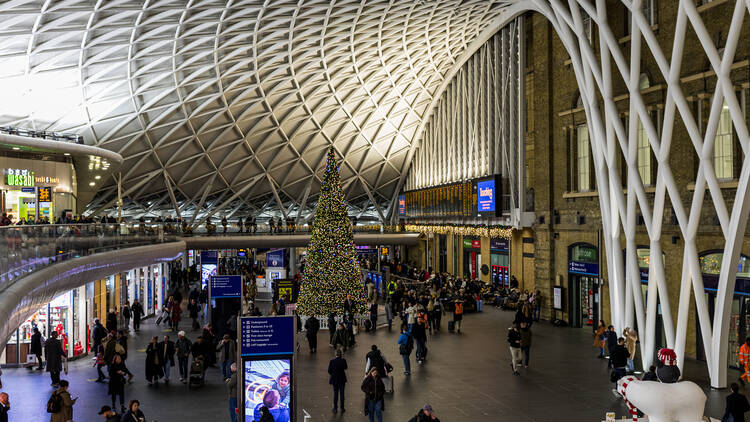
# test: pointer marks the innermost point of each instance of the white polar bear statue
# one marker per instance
(679, 402)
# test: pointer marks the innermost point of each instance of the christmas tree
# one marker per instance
(331, 270)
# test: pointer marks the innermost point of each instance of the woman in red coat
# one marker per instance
(175, 315)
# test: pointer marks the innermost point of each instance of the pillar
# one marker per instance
(460, 250)
(450, 253)
(485, 251)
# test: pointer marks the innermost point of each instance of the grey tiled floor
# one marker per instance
(467, 378)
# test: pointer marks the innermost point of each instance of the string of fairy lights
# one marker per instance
(494, 232)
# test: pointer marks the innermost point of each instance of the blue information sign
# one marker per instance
(209, 257)
(486, 196)
(263, 336)
(585, 268)
(275, 258)
(225, 286)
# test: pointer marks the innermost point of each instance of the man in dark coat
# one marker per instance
(4, 407)
(97, 334)
(167, 350)
(36, 346)
(737, 404)
(111, 322)
(54, 357)
(312, 325)
(137, 311)
(337, 369)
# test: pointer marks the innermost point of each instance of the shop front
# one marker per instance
(500, 261)
(583, 285)
(472, 257)
(31, 190)
(739, 322)
(65, 315)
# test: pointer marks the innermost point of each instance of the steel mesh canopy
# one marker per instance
(230, 105)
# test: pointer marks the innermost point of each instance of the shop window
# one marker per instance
(711, 264)
(724, 146)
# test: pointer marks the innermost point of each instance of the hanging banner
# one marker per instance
(275, 258)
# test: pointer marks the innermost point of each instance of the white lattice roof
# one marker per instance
(230, 103)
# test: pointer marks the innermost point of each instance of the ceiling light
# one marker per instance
(16, 148)
(67, 154)
(91, 183)
(97, 177)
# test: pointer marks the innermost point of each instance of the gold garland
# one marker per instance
(481, 231)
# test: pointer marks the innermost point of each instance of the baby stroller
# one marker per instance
(197, 376)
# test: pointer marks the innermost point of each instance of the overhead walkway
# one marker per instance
(38, 263)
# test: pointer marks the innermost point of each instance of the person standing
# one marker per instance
(122, 341)
(611, 342)
(154, 364)
(66, 412)
(228, 355)
(126, 315)
(182, 348)
(619, 359)
(36, 347)
(312, 325)
(4, 407)
(193, 310)
(174, 315)
(600, 338)
(458, 313)
(374, 390)
(167, 351)
(98, 333)
(389, 312)
(737, 405)
(514, 341)
(405, 346)
(137, 311)
(231, 383)
(54, 357)
(631, 337)
(337, 370)
(111, 321)
(332, 326)
(525, 343)
(419, 331)
(134, 412)
(537, 304)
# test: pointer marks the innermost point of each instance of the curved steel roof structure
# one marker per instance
(230, 105)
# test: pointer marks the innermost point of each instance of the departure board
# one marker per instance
(454, 200)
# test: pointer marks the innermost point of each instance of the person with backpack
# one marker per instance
(312, 326)
(458, 314)
(337, 370)
(405, 346)
(375, 359)
(60, 404)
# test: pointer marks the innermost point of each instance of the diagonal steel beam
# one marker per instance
(171, 194)
(229, 200)
(372, 199)
(208, 188)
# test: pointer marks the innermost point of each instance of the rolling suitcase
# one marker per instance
(388, 381)
(451, 326)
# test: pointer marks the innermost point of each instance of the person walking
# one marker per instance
(193, 310)
(231, 383)
(66, 404)
(166, 352)
(116, 387)
(111, 321)
(182, 348)
(458, 314)
(36, 347)
(98, 333)
(389, 312)
(312, 325)
(174, 315)
(126, 315)
(737, 405)
(405, 346)
(228, 355)
(137, 311)
(374, 390)
(341, 337)
(337, 370)
(109, 414)
(134, 413)
(514, 341)
(611, 342)
(154, 364)
(122, 341)
(4, 407)
(54, 357)
(600, 338)
(525, 343)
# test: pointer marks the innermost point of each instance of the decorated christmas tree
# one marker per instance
(331, 269)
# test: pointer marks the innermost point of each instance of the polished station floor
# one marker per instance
(467, 378)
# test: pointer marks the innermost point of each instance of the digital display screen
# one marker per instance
(207, 271)
(402, 205)
(268, 383)
(486, 196)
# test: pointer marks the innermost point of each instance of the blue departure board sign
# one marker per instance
(225, 286)
(486, 196)
(264, 336)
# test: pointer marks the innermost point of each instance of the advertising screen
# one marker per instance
(402, 205)
(207, 271)
(486, 196)
(268, 384)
